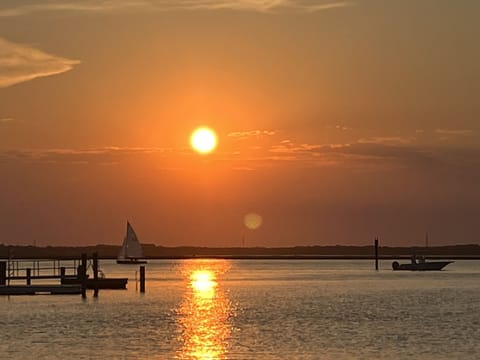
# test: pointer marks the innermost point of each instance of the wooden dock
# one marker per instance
(41, 289)
(70, 275)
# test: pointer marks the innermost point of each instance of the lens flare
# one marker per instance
(253, 221)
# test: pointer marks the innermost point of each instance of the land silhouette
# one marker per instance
(468, 251)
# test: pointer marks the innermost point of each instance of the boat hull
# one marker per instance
(426, 266)
(103, 283)
(131, 262)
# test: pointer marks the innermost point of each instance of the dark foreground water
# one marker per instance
(321, 309)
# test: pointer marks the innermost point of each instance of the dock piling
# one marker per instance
(83, 275)
(95, 274)
(29, 276)
(142, 279)
(3, 272)
(376, 254)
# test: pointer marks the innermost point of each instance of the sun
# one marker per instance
(203, 140)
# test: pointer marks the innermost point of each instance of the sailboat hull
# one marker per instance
(131, 262)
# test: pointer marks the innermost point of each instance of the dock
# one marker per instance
(40, 289)
(70, 277)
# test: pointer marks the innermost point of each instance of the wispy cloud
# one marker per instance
(250, 133)
(6, 120)
(378, 155)
(101, 154)
(339, 127)
(265, 6)
(256, 5)
(460, 132)
(243, 168)
(343, 128)
(327, 6)
(20, 63)
(72, 5)
(385, 152)
(358, 156)
(389, 140)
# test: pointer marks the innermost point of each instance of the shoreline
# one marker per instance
(338, 252)
(261, 257)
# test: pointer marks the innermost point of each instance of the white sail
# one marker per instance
(131, 248)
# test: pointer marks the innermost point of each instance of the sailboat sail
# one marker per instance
(131, 248)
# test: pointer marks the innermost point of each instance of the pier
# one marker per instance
(44, 269)
(69, 276)
(40, 289)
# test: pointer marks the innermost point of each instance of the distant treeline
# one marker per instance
(160, 252)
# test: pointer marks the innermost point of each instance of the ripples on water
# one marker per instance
(217, 309)
(205, 314)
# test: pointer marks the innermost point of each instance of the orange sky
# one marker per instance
(337, 121)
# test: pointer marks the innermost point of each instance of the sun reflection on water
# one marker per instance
(203, 282)
(205, 313)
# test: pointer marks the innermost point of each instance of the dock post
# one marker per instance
(83, 275)
(376, 254)
(142, 279)
(3, 273)
(95, 274)
(29, 276)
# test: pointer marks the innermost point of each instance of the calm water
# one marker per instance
(255, 310)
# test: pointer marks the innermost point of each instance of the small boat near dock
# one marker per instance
(103, 283)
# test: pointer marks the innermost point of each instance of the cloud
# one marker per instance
(78, 6)
(376, 155)
(265, 6)
(243, 168)
(392, 140)
(107, 154)
(286, 146)
(460, 132)
(6, 120)
(250, 133)
(343, 128)
(356, 156)
(327, 6)
(385, 153)
(256, 5)
(20, 63)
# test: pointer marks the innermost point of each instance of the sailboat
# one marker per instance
(131, 251)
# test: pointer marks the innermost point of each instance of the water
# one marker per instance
(244, 309)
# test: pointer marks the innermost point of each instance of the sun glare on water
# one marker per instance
(203, 140)
(203, 280)
(204, 315)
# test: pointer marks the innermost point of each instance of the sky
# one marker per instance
(337, 121)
